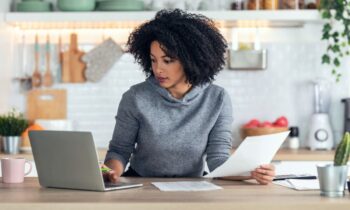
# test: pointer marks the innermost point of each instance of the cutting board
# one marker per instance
(73, 68)
(47, 104)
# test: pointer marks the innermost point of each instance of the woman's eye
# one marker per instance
(153, 61)
(168, 61)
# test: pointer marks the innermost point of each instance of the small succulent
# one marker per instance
(343, 151)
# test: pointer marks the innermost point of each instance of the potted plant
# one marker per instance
(332, 177)
(336, 31)
(12, 125)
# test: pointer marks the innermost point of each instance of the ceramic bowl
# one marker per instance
(73, 5)
(121, 5)
(258, 131)
(34, 6)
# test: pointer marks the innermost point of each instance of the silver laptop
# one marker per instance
(67, 159)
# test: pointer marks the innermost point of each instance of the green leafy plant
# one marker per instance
(336, 31)
(343, 151)
(12, 124)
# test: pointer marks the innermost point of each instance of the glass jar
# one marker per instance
(311, 4)
(292, 4)
(214, 5)
(238, 5)
(255, 4)
(270, 4)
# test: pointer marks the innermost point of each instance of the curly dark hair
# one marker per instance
(192, 39)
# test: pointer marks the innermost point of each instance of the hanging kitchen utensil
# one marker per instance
(73, 68)
(100, 59)
(24, 79)
(59, 59)
(36, 77)
(47, 80)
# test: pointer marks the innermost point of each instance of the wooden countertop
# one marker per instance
(304, 155)
(283, 154)
(235, 195)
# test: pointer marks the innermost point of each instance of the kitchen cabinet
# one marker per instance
(61, 20)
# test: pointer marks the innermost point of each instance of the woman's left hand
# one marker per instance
(264, 174)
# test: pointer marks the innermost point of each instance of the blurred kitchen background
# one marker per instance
(283, 88)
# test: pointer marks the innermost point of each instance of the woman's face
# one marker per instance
(168, 71)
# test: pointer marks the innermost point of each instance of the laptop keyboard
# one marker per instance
(111, 185)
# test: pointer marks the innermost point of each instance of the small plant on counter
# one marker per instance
(343, 151)
(332, 177)
(12, 124)
(336, 31)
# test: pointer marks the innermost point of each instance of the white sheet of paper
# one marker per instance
(186, 186)
(304, 184)
(299, 184)
(253, 151)
(283, 183)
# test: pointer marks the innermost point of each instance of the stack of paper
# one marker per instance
(186, 186)
(299, 184)
(251, 153)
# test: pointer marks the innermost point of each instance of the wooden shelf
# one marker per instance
(249, 18)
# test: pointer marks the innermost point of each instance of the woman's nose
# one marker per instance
(157, 68)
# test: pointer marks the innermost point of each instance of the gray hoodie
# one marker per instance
(167, 137)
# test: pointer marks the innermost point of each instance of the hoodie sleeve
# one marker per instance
(125, 131)
(220, 138)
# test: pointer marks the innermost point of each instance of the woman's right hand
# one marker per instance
(114, 170)
(110, 176)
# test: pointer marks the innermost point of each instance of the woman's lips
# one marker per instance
(161, 79)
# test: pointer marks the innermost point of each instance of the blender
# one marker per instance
(320, 132)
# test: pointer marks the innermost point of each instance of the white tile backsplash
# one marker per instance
(284, 88)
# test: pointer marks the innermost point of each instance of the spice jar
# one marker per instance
(237, 5)
(255, 4)
(292, 4)
(293, 140)
(310, 4)
(271, 4)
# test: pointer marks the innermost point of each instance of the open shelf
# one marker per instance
(58, 20)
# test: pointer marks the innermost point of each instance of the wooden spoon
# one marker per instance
(36, 77)
(48, 76)
(60, 60)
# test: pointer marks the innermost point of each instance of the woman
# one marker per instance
(169, 125)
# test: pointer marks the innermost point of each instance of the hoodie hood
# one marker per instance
(164, 93)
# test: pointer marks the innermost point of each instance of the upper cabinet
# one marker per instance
(228, 19)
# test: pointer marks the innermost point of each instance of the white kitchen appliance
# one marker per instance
(320, 131)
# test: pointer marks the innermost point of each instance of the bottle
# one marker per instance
(293, 140)
(292, 4)
(270, 4)
(310, 4)
(255, 5)
(238, 5)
